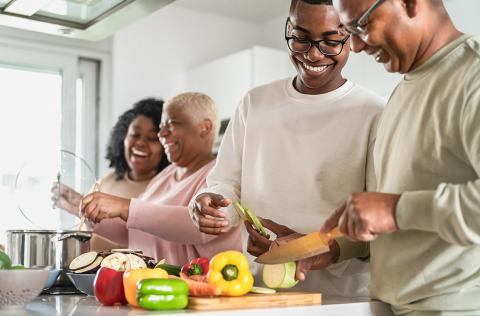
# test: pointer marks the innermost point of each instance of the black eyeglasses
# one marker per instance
(327, 47)
(359, 27)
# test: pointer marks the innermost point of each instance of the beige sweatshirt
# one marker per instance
(294, 158)
(428, 149)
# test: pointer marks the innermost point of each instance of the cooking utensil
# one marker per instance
(96, 188)
(47, 248)
(255, 301)
(34, 184)
(304, 247)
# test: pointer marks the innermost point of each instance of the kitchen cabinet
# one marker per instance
(227, 79)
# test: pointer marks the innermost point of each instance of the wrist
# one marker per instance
(125, 210)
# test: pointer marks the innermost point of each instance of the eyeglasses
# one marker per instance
(358, 27)
(327, 47)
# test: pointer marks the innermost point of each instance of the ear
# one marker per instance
(206, 128)
(411, 7)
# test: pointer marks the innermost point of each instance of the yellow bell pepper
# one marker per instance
(229, 271)
(131, 277)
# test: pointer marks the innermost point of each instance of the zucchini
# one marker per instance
(170, 268)
(280, 276)
(262, 290)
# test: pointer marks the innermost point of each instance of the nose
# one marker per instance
(356, 43)
(314, 54)
(163, 132)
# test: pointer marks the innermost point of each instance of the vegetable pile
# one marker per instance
(6, 263)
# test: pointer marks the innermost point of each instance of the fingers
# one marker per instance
(333, 220)
(212, 226)
(303, 266)
(277, 229)
(257, 244)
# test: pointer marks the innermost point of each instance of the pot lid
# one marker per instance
(37, 182)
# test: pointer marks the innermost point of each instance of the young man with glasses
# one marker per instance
(295, 148)
(425, 232)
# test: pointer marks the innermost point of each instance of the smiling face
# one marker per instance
(143, 150)
(182, 136)
(392, 35)
(316, 73)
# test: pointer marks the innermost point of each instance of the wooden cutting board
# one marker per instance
(255, 301)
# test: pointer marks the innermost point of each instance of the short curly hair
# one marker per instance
(151, 108)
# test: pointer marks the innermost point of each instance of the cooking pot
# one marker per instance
(47, 248)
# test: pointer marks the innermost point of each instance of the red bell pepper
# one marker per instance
(108, 287)
(197, 266)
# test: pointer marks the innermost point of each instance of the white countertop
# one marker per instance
(78, 305)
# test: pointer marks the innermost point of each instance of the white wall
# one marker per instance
(151, 57)
(361, 68)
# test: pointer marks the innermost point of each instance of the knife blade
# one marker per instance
(304, 247)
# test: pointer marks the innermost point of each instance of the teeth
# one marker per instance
(315, 69)
(139, 153)
(377, 54)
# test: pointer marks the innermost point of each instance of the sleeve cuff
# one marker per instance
(132, 213)
(352, 249)
(415, 211)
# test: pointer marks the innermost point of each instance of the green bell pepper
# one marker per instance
(160, 294)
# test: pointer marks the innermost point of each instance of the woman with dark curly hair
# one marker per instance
(136, 156)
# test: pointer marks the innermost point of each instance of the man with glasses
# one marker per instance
(425, 228)
(295, 148)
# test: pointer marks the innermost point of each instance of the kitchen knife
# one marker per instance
(304, 247)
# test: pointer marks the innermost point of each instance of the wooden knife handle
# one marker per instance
(334, 233)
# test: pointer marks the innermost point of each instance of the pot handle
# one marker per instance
(78, 235)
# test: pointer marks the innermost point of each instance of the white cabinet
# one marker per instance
(227, 79)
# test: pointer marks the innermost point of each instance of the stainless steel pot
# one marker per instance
(47, 248)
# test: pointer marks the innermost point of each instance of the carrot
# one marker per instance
(199, 289)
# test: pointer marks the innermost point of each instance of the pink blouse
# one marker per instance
(159, 222)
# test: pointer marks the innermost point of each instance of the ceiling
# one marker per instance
(248, 10)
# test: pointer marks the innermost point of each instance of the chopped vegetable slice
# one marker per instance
(83, 261)
(280, 276)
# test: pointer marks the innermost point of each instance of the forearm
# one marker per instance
(169, 222)
(452, 211)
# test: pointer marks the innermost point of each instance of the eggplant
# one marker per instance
(92, 268)
(83, 261)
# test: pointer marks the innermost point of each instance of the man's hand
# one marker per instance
(258, 244)
(313, 263)
(206, 215)
(365, 215)
(98, 206)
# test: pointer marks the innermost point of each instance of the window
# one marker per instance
(48, 102)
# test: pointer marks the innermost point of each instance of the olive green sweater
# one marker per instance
(428, 149)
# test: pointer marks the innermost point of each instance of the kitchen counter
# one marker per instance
(80, 305)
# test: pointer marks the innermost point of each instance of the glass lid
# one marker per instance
(38, 186)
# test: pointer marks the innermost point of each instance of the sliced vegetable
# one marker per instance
(5, 262)
(247, 215)
(262, 290)
(256, 223)
(108, 287)
(17, 267)
(241, 211)
(116, 261)
(131, 277)
(136, 262)
(199, 288)
(83, 261)
(229, 271)
(162, 294)
(198, 266)
(280, 276)
(170, 268)
(92, 267)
